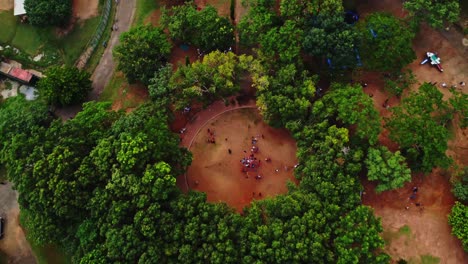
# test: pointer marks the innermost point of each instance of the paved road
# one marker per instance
(103, 72)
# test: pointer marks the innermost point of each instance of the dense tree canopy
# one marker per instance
(64, 86)
(48, 12)
(141, 52)
(204, 29)
(434, 12)
(388, 168)
(386, 42)
(418, 124)
(457, 219)
(328, 36)
(215, 77)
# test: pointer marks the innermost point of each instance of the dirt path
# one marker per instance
(429, 232)
(14, 243)
(103, 72)
(6, 5)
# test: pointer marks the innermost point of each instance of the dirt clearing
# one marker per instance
(6, 4)
(217, 169)
(84, 9)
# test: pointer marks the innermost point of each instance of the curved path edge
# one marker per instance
(204, 117)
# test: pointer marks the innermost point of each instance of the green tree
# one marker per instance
(282, 43)
(159, 86)
(260, 19)
(64, 86)
(418, 124)
(216, 76)
(388, 168)
(386, 42)
(283, 96)
(459, 104)
(141, 52)
(350, 106)
(460, 188)
(357, 238)
(457, 219)
(329, 36)
(204, 29)
(434, 12)
(48, 12)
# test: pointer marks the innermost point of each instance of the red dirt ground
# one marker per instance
(130, 96)
(218, 173)
(84, 9)
(6, 4)
(430, 232)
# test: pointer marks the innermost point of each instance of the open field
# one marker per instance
(219, 174)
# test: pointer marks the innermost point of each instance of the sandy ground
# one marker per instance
(430, 232)
(219, 174)
(6, 4)
(14, 243)
(84, 9)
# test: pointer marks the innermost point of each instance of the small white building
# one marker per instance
(19, 8)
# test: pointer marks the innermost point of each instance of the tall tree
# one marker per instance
(457, 219)
(434, 12)
(48, 12)
(216, 76)
(204, 29)
(141, 52)
(350, 106)
(386, 42)
(329, 36)
(418, 124)
(64, 85)
(388, 168)
(260, 19)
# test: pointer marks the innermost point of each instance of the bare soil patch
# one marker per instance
(130, 96)
(178, 55)
(84, 9)
(6, 4)
(430, 233)
(219, 174)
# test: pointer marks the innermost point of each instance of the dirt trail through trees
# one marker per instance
(216, 168)
(430, 233)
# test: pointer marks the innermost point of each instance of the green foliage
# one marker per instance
(457, 219)
(284, 96)
(328, 36)
(204, 29)
(391, 49)
(397, 83)
(388, 168)
(216, 76)
(141, 52)
(459, 104)
(460, 188)
(350, 106)
(434, 12)
(48, 12)
(418, 124)
(358, 245)
(64, 86)
(260, 19)
(159, 87)
(283, 43)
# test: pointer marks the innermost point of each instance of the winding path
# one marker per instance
(103, 72)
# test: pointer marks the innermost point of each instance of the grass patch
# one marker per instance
(404, 230)
(74, 44)
(31, 40)
(111, 91)
(8, 27)
(143, 9)
(428, 259)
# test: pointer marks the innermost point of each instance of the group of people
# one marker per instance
(211, 136)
